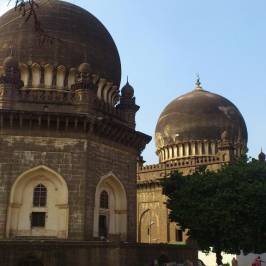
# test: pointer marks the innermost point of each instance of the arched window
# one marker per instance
(39, 196)
(110, 213)
(104, 200)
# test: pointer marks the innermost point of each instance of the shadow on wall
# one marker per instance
(30, 261)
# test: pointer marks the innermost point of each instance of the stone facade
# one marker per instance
(197, 129)
(68, 147)
(77, 160)
(154, 225)
(51, 253)
(70, 131)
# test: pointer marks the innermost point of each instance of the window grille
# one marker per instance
(38, 219)
(39, 196)
(104, 200)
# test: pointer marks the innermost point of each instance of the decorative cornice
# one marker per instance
(82, 123)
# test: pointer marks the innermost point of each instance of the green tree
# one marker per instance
(225, 209)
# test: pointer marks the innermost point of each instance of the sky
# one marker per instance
(164, 44)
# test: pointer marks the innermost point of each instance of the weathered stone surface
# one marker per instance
(90, 253)
(81, 162)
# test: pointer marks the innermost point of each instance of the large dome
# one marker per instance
(200, 115)
(80, 37)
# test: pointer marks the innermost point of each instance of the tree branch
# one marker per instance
(28, 9)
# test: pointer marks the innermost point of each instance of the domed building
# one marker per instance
(196, 129)
(68, 142)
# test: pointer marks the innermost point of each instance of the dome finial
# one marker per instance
(127, 79)
(198, 83)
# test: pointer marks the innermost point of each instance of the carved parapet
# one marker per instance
(8, 95)
(187, 149)
(80, 96)
(46, 96)
(36, 76)
(152, 167)
(181, 163)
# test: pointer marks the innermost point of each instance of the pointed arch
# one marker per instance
(21, 207)
(71, 77)
(149, 231)
(113, 218)
(36, 75)
(104, 200)
(24, 71)
(60, 77)
(39, 195)
(48, 75)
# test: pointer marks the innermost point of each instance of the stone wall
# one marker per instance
(69, 253)
(153, 223)
(123, 165)
(80, 159)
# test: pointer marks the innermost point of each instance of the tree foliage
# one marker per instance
(225, 210)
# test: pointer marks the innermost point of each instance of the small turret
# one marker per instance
(226, 147)
(127, 91)
(83, 78)
(84, 89)
(10, 82)
(262, 156)
(11, 72)
(128, 104)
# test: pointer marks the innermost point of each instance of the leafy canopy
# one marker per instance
(225, 210)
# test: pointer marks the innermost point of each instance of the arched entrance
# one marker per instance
(110, 212)
(38, 205)
(149, 229)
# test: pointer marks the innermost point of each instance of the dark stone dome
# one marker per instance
(200, 115)
(79, 37)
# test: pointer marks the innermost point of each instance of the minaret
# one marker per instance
(127, 104)
(262, 156)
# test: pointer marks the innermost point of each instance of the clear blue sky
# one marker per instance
(163, 44)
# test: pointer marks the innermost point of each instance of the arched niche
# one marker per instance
(24, 72)
(51, 217)
(71, 77)
(60, 77)
(48, 76)
(36, 75)
(149, 227)
(113, 218)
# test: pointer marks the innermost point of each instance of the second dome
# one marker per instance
(200, 116)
